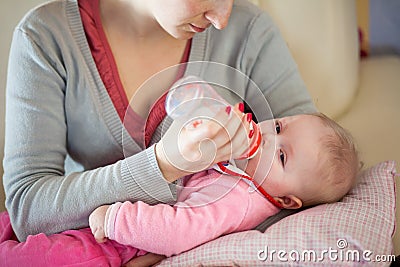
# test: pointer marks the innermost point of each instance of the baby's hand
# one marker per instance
(96, 222)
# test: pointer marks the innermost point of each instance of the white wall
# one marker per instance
(11, 11)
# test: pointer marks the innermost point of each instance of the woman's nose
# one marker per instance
(219, 15)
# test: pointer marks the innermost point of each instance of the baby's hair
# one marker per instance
(339, 164)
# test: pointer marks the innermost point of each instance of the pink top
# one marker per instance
(107, 67)
(209, 205)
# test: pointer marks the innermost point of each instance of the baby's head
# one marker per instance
(337, 170)
(311, 160)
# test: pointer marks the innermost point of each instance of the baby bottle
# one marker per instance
(190, 99)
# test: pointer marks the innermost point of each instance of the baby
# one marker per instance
(304, 160)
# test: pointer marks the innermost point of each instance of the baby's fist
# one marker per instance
(96, 223)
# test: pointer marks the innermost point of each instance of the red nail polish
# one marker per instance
(241, 107)
(251, 133)
(228, 109)
(249, 117)
(197, 123)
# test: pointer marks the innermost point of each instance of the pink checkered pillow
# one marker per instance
(354, 230)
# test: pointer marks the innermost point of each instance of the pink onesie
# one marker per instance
(210, 204)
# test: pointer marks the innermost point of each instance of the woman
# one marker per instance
(74, 66)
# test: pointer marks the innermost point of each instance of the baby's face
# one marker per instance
(287, 161)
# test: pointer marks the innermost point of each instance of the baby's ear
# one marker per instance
(289, 202)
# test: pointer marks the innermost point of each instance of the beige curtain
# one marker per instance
(254, 2)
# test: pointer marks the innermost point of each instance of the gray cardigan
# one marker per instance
(66, 150)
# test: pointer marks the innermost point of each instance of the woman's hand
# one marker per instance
(96, 223)
(200, 143)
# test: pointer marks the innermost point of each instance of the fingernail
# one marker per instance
(249, 117)
(228, 109)
(241, 107)
(197, 123)
(251, 133)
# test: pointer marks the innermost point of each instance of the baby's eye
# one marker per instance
(277, 127)
(282, 157)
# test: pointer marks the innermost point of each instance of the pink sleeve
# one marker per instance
(170, 230)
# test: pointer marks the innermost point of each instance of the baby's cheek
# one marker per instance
(263, 163)
(270, 185)
(252, 165)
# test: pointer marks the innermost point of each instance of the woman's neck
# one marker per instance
(131, 18)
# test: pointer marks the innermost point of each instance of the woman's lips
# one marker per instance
(197, 29)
